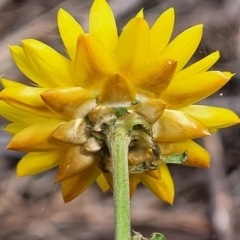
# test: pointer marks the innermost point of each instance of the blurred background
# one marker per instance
(207, 202)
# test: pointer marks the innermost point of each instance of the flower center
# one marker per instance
(143, 153)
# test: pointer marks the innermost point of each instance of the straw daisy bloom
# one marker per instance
(57, 120)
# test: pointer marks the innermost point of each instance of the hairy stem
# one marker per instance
(118, 142)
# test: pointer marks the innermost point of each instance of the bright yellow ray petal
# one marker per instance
(133, 182)
(6, 83)
(212, 117)
(16, 115)
(27, 99)
(102, 24)
(14, 128)
(76, 160)
(37, 162)
(175, 126)
(160, 33)
(156, 76)
(69, 30)
(93, 62)
(132, 48)
(26, 67)
(53, 68)
(72, 102)
(198, 67)
(35, 138)
(183, 46)
(193, 89)
(197, 155)
(109, 178)
(74, 186)
(162, 188)
(102, 183)
(122, 90)
(106, 182)
(140, 14)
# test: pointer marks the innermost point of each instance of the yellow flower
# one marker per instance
(141, 71)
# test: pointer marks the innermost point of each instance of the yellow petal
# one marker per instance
(122, 91)
(93, 62)
(26, 67)
(108, 182)
(200, 66)
(37, 162)
(109, 178)
(150, 110)
(74, 186)
(183, 46)
(153, 173)
(16, 115)
(140, 14)
(102, 24)
(197, 155)
(193, 89)
(178, 126)
(72, 132)
(212, 117)
(6, 83)
(35, 138)
(72, 102)
(162, 188)
(76, 160)
(132, 48)
(133, 182)
(53, 68)
(69, 30)
(156, 76)
(102, 183)
(161, 33)
(27, 99)
(14, 128)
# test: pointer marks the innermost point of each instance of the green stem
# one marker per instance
(118, 141)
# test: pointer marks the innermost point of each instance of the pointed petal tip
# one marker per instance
(60, 10)
(170, 202)
(11, 47)
(170, 10)
(61, 13)
(68, 196)
(10, 146)
(57, 178)
(197, 28)
(140, 14)
(200, 26)
(217, 53)
(206, 132)
(19, 174)
(207, 165)
(67, 199)
(228, 75)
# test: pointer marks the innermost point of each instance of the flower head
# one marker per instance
(140, 73)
